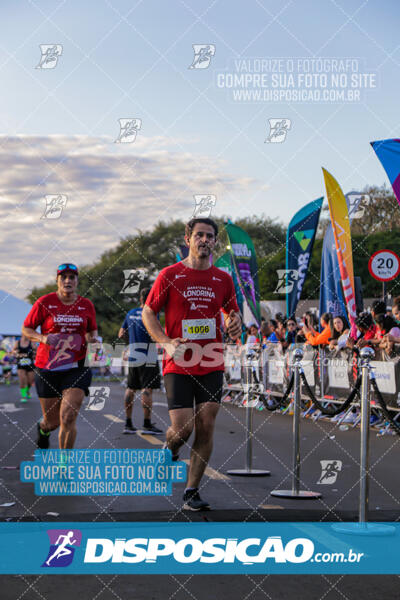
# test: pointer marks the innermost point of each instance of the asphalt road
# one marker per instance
(231, 498)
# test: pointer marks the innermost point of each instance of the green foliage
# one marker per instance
(363, 247)
(102, 282)
(153, 250)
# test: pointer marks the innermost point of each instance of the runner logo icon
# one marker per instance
(330, 470)
(204, 204)
(133, 280)
(278, 129)
(62, 547)
(50, 54)
(55, 204)
(203, 54)
(128, 129)
(286, 280)
(97, 397)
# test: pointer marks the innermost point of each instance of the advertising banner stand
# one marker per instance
(295, 492)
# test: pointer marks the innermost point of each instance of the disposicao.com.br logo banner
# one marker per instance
(192, 548)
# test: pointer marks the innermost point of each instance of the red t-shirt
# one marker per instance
(70, 321)
(192, 300)
(371, 333)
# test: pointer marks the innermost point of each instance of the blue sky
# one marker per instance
(130, 59)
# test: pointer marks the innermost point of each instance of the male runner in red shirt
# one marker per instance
(192, 294)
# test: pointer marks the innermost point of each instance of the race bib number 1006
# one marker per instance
(199, 329)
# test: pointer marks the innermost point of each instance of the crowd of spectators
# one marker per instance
(378, 327)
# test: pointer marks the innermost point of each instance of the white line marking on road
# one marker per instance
(211, 473)
(113, 418)
(9, 407)
(150, 438)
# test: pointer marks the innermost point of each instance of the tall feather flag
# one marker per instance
(341, 230)
(388, 152)
(244, 261)
(300, 238)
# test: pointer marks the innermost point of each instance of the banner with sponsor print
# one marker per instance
(245, 267)
(299, 245)
(388, 152)
(224, 263)
(341, 231)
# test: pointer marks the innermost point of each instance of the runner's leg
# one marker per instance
(51, 414)
(30, 381)
(182, 423)
(23, 382)
(71, 402)
(129, 399)
(147, 403)
(205, 415)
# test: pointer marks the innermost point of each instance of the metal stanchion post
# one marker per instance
(362, 527)
(322, 370)
(295, 492)
(249, 471)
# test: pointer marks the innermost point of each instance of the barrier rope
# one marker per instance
(395, 426)
(335, 411)
(284, 397)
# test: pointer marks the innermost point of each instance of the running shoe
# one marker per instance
(129, 428)
(28, 394)
(351, 417)
(43, 440)
(375, 420)
(192, 501)
(152, 429)
(22, 399)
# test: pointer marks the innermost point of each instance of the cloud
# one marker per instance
(112, 190)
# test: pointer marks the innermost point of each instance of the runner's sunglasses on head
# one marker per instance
(67, 267)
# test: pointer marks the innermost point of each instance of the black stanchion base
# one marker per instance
(249, 472)
(301, 494)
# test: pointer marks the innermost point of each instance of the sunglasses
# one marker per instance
(67, 266)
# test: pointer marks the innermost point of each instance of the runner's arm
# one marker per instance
(233, 323)
(122, 333)
(34, 336)
(156, 332)
(153, 326)
(91, 336)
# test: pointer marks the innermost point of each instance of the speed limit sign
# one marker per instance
(384, 265)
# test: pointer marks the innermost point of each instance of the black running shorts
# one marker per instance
(50, 384)
(144, 376)
(182, 390)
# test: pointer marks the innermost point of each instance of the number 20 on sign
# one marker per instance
(384, 265)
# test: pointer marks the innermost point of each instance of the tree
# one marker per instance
(151, 250)
(379, 211)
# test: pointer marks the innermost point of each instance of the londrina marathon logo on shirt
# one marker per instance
(62, 547)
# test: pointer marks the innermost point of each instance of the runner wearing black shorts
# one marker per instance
(143, 369)
(68, 324)
(24, 352)
(192, 294)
